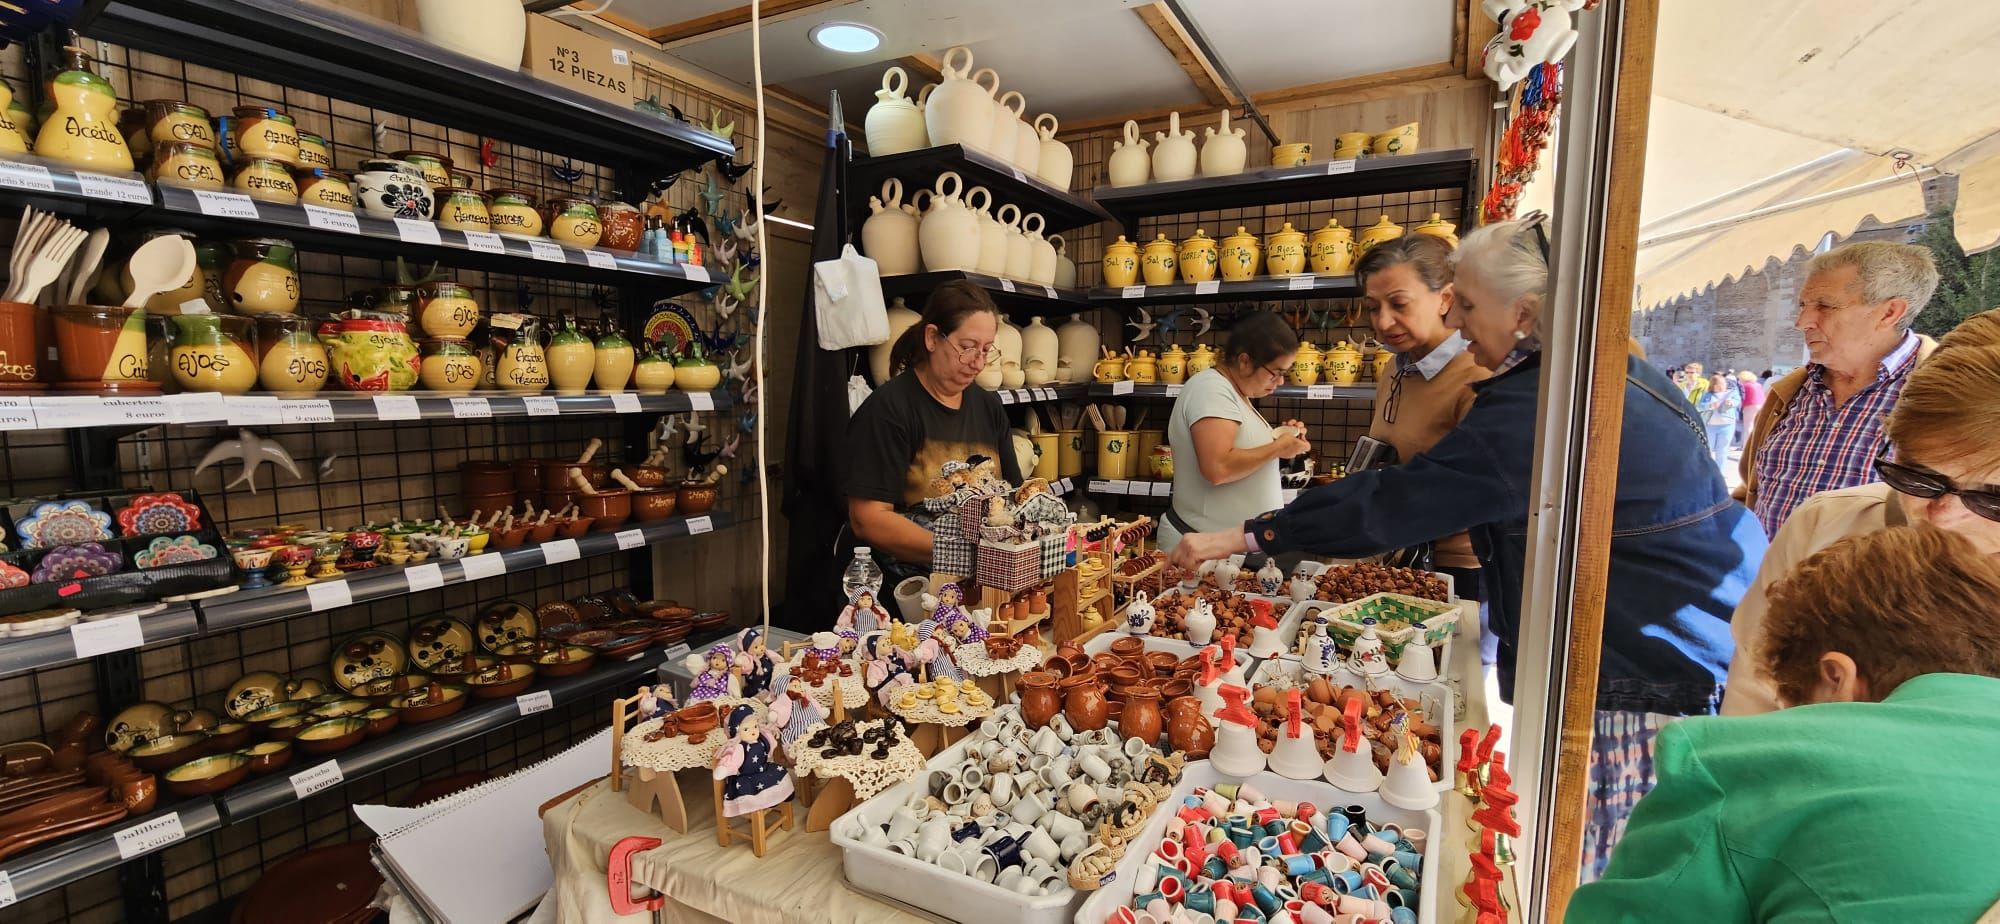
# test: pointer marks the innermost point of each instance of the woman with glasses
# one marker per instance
(1942, 467)
(1225, 454)
(926, 415)
(1681, 550)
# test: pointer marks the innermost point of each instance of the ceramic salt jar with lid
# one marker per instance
(187, 165)
(1157, 264)
(1121, 263)
(1383, 230)
(1332, 250)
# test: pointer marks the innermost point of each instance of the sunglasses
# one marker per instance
(1983, 501)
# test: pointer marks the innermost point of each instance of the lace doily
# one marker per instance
(925, 712)
(671, 753)
(973, 660)
(853, 693)
(867, 775)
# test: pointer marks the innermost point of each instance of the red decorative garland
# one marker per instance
(1531, 116)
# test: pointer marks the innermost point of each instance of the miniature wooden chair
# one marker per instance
(760, 828)
(649, 786)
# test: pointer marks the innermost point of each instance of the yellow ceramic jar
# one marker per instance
(1197, 257)
(169, 121)
(450, 365)
(653, 374)
(1380, 362)
(294, 361)
(694, 372)
(614, 361)
(446, 310)
(436, 167)
(212, 352)
(462, 209)
(1384, 230)
(1305, 365)
(522, 367)
(572, 359)
(1201, 360)
(23, 120)
(1240, 256)
(13, 138)
(1438, 228)
(574, 222)
(1173, 366)
(1342, 364)
(83, 129)
(186, 164)
(1292, 155)
(1158, 263)
(1399, 140)
(261, 131)
(512, 212)
(1285, 251)
(314, 152)
(1351, 145)
(1109, 369)
(263, 277)
(1332, 250)
(328, 189)
(1143, 369)
(266, 179)
(1121, 263)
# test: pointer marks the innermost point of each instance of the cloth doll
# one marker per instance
(850, 642)
(863, 614)
(950, 600)
(792, 712)
(886, 673)
(934, 649)
(752, 778)
(754, 663)
(655, 702)
(824, 646)
(713, 678)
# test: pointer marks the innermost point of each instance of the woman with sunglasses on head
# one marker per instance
(1942, 468)
(926, 415)
(1681, 550)
(1225, 454)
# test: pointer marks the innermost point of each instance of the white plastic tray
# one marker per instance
(1443, 706)
(1288, 628)
(1303, 613)
(1103, 902)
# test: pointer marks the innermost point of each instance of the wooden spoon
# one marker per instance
(159, 265)
(85, 267)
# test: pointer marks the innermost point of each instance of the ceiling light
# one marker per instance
(846, 37)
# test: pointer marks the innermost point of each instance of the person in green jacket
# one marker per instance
(1873, 797)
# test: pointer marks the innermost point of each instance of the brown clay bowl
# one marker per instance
(332, 735)
(511, 538)
(485, 504)
(381, 692)
(566, 661)
(657, 504)
(575, 527)
(671, 613)
(709, 622)
(1128, 646)
(340, 709)
(287, 728)
(456, 671)
(698, 720)
(545, 531)
(268, 756)
(1163, 662)
(527, 474)
(557, 500)
(228, 736)
(485, 476)
(555, 474)
(503, 680)
(168, 751)
(381, 720)
(671, 635)
(695, 499)
(592, 638)
(417, 708)
(607, 510)
(645, 476)
(205, 775)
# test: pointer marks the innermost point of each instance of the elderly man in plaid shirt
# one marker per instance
(1821, 425)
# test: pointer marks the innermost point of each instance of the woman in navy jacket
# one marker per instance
(1682, 552)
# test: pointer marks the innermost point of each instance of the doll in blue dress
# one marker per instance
(752, 779)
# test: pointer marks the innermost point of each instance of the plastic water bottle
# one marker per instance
(862, 572)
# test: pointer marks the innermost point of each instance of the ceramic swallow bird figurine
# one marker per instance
(566, 171)
(252, 451)
(729, 448)
(718, 128)
(1203, 321)
(1143, 327)
(725, 223)
(738, 371)
(726, 305)
(711, 195)
(733, 171)
(739, 287)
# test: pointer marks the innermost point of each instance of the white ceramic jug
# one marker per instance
(949, 235)
(992, 234)
(1174, 158)
(991, 377)
(901, 318)
(1000, 133)
(959, 111)
(1007, 109)
(1020, 258)
(1011, 376)
(1027, 143)
(894, 123)
(1129, 164)
(889, 236)
(1077, 351)
(1037, 373)
(1007, 340)
(494, 31)
(1041, 253)
(1055, 164)
(1222, 152)
(1039, 344)
(1065, 267)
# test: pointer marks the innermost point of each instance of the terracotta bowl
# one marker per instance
(381, 720)
(228, 736)
(260, 720)
(504, 680)
(544, 532)
(698, 720)
(485, 476)
(456, 671)
(711, 621)
(607, 510)
(268, 756)
(332, 736)
(556, 500)
(485, 504)
(552, 663)
(672, 635)
(168, 751)
(511, 538)
(1129, 645)
(645, 476)
(211, 774)
(696, 499)
(1163, 662)
(648, 506)
(453, 699)
(624, 646)
(575, 527)
(340, 708)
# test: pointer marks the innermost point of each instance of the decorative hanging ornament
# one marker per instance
(1531, 114)
(1531, 32)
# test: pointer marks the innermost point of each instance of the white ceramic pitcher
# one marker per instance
(1007, 109)
(895, 124)
(1065, 267)
(1129, 164)
(1041, 253)
(889, 236)
(959, 111)
(949, 236)
(1222, 152)
(992, 234)
(1020, 258)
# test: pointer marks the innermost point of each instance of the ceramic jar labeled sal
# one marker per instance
(1121, 264)
(889, 236)
(894, 124)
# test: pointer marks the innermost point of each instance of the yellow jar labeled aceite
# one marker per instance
(83, 129)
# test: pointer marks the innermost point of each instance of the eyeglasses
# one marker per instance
(1916, 482)
(969, 353)
(1279, 374)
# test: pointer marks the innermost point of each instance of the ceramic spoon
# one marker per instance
(159, 265)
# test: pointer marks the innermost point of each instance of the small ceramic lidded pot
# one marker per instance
(624, 225)
(450, 365)
(461, 209)
(1342, 364)
(1332, 250)
(1158, 264)
(264, 131)
(266, 179)
(1383, 230)
(1198, 257)
(512, 212)
(1305, 364)
(170, 120)
(213, 352)
(1240, 256)
(393, 189)
(1121, 263)
(1438, 228)
(294, 361)
(328, 189)
(436, 168)
(370, 352)
(263, 277)
(573, 221)
(446, 309)
(1285, 251)
(83, 129)
(314, 152)
(187, 165)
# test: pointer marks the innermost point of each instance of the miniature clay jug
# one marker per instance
(1084, 703)
(1322, 653)
(1065, 267)
(1141, 717)
(901, 318)
(1285, 251)
(1007, 109)
(1270, 578)
(1222, 152)
(1197, 257)
(1121, 264)
(959, 111)
(1188, 730)
(1240, 256)
(1129, 164)
(1040, 700)
(1332, 250)
(1020, 256)
(1174, 155)
(949, 236)
(894, 124)
(1077, 342)
(1055, 164)
(889, 236)
(992, 232)
(1159, 263)
(1042, 258)
(1200, 623)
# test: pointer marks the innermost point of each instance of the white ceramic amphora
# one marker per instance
(1174, 156)
(1222, 152)
(992, 235)
(894, 124)
(950, 235)
(1065, 267)
(889, 236)
(1042, 259)
(1054, 163)
(1007, 109)
(959, 111)
(1129, 164)
(1020, 256)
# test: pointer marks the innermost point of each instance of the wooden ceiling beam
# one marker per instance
(1200, 71)
(733, 19)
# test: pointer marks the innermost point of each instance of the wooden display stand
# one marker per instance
(825, 799)
(649, 786)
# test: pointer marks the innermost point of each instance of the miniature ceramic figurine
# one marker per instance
(752, 778)
(886, 673)
(863, 614)
(713, 678)
(1270, 578)
(1201, 623)
(755, 664)
(1139, 614)
(1368, 657)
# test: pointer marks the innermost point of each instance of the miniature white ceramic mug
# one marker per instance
(1000, 787)
(1093, 766)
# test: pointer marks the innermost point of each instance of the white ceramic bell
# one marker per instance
(1077, 352)
(1054, 164)
(1007, 109)
(1222, 152)
(1039, 344)
(1129, 164)
(1225, 574)
(1368, 658)
(1174, 155)
(895, 124)
(1042, 257)
(1265, 641)
(992, 234)
(1270, 578)
(1418, 663)
(959, 111)
(1296, 755)
(949, 236)
(1408, 785)
(1020, 256)
(1236, 753)
(1352, 766)
(1138, 615)
(1322, 653)
(1065, 267)
(1200, 623)
(889, 236)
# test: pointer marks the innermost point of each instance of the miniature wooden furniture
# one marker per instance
(760, 827)
(649, 786)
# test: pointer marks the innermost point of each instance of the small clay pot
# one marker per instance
(608, 509)
(1040, 700)
(1128, 646)
(139, 792)
(697, 720)
(527, 474)
(696, 499)
(649, 506)
(485, 476)
(1188, 730)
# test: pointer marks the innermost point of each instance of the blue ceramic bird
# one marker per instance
(712, 195)
(566, 171)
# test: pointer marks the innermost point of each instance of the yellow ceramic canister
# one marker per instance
(1045, 456)
(693, 372)
(167, 121)
(522, 365)
(1292, 155)
(294, 361)
(1197, 257)
(186, 164)
(1285, 251)
(1114, 455)
(512, 211)
(1157, 263)
(213, 352)
(1121, 263)
(1332, 250)
(314, 152)
(1240, 256)
(1384, 230)
(461, 209)
(436, 167)
(1173, 366)
(446, 309)
(1201, 360)
(1109, 369)
(24, 121)
(1351, 145)
(1069, 453)
(266, 179)
(573, 221)
(83, 129)
(1342, 364)
(263, 276)
(1380, 362)
(328, 189)
(450, 365)
(653, 374)
(13, 138)
(1438, 228)
(1306, 365)
(572, 359)
(1143, 369)
(262, 131)
(614, 361)
(1399, 140)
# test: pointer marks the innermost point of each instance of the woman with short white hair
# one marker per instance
(1682, 552)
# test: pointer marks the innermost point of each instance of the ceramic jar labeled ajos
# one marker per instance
(513, 213)
(1121, 263)
(21, 346)
(450, 365)
(1342, 364)
(292, 362)
(1306, 365)
(573, 221)
(83, 129)
(894, 124)
(1332, 250)
(446, 309)
(1240, 256)
(461, 209)
(1158, 263)
(215, 352)
(328, 189)
(187, 165)
(1285, 251)
(889, 236)
(394, 189)
(263, 276)
(1198, 257)
(264, 131)
(370, 352)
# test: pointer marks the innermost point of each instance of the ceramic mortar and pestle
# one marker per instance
(608, 509)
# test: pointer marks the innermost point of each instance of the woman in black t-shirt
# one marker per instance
(926, 415)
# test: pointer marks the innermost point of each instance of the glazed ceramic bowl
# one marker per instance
(167, 751)
(645, 476)
(268, 756)
(607, 510)
(287, 728)
(475, 541)
(648, 506)
(624, 646)
(210, 774)
(340, 708)
(261, 719)
(437, 701)
(332, 736)
(381, 720)
(500, 681)
(546, 531)
(575, 527)
(380, 692)
(1291, 155)
(696, 499)
(697, 720)
(565, 661)
(228, 736)
(457, 671)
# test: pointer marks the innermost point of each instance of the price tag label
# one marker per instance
(324, 776)
(252, 410)
(427, 576)
(397, 407)
(1024, 396)
(1019, 177)
(1163, 488)
(699, 525)
(1208, 288)
(1337, 167)
(541, 406)
(1100, 487)
(1174, 391)
(1048, 291)
(1063, 486)
(484, 242)
(1045, 394)
(104, 636)
(694, 272)
(557, 551)
(327, 595)
(1132, 292)
(114, 188)
(701, 401)
(538, 701)
(1298, 283)
(196, 407)
(1319, 392)
(62, 412)
(417, 231)
(600, 259)
(225, 204)
(146, 837)
(333, 219)
(6, 889)
(547, 250)
(315, 411)
(679, 651)
(17, 414)
(625, 402)
(26, 176)
(631, 538)
(1006, 285)
(1006, 397)
(483, 566)
(465, 408)
(1122, 388)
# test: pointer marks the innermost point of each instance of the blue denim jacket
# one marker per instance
(1682, 552)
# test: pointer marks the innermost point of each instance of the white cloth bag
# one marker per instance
(848, 294)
